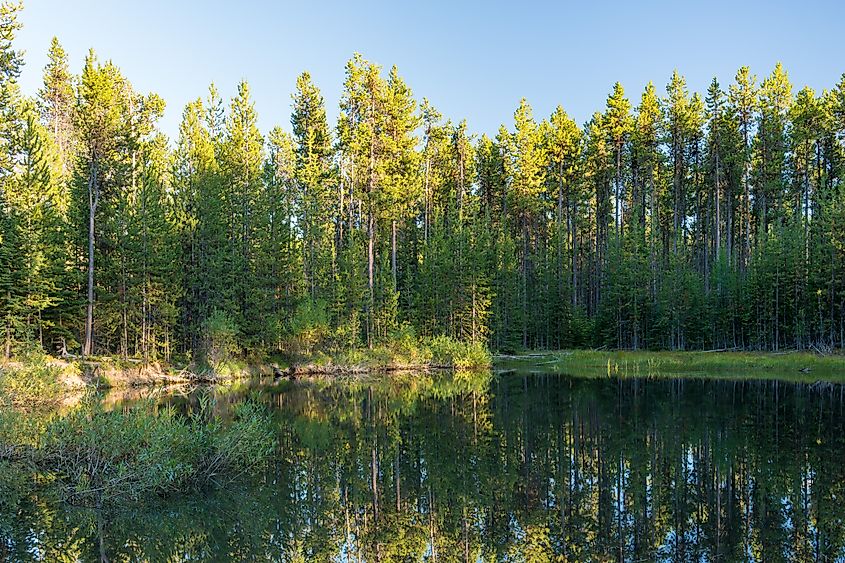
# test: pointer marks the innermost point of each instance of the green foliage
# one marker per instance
(688, 221)
(98, 457)
(244, 444)
(221, 338)
(33, 383)
(450, 352)
(309, 326)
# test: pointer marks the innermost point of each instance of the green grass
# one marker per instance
(791, 366)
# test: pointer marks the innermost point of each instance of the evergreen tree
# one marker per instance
(56, 101)
(687, 222)
(317, 204)
(241, 168)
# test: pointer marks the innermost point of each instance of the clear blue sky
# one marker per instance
(473, 60)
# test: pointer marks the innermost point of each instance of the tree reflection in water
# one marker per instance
(499, 468)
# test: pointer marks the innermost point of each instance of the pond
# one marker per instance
(496, 467)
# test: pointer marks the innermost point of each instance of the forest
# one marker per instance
(671, 219)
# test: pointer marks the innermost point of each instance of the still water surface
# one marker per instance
(505, 467)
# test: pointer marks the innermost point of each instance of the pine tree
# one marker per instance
(314, 178)
(687, 222)
(525, 167)
(37, 200)
(743, 103)
(281, 261)
(241, 167)
(10, 68)
(56, 101)
(99, 121)
(770, 146)
(618, 123)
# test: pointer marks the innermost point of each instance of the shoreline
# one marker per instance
(114, 373)
(793, 365)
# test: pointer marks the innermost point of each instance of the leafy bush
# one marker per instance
(221, 338)
(448, 351)
(33, 384)
(18, 433)
(406, 348)
(14, 480)
(346, 335)
(309, 325)
(244, 444)
(97, 456)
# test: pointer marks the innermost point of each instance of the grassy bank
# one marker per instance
(789, 366)
(397, 355)
(402, 353)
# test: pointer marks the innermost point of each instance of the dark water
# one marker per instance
(500, 468)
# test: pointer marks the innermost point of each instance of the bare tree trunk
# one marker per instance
(718, 230)
(398, 480)
(426, 218)
(8, 351)
(393, 251)
(574, 246)
(618, 219)
(371, 242)
(93, 200)
(374, 482)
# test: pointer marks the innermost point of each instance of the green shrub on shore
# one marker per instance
(447, 351)
(220, 340)
(404, 349)
(95, 457)
(31, 383)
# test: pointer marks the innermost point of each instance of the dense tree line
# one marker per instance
(675, 220)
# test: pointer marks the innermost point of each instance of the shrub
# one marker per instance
(448, 351)
(346, 335)
(245, 444)
(34, 384)
(14, 481)
(221, 338)
(406, 348)
(309, 325)
(97, 456)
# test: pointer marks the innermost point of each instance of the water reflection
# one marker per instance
(509, 468)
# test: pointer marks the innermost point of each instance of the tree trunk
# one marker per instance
(393, 251)
(371, 243)
(617, 219)
(93, 199)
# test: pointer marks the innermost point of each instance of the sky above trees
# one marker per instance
(471, 59)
